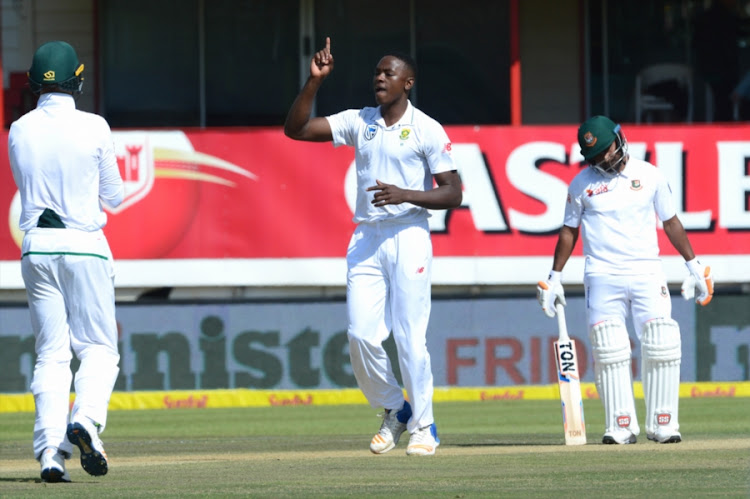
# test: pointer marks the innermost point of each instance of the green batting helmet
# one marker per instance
(595, 136)
(56, 64)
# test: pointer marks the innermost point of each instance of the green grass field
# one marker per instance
(489, 449)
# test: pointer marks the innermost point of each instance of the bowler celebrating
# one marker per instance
(399, 150)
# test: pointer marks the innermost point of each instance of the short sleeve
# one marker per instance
(344, 127)
(438, 149)
(573, 209)
(663, 202)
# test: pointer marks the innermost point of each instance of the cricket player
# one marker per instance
(398, 151)
(617, 200)
(64, 165)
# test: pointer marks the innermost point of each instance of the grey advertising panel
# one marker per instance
(472, 342)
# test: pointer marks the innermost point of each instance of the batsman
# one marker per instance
(616, 201)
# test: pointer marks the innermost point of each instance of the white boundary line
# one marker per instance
(331, 272)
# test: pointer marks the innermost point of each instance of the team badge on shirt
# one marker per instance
(405, 134)
(636, 185)
(370, 131)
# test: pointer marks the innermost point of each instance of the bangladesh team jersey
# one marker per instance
(618, 217)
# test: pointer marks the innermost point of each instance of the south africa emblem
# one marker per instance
(370, 131)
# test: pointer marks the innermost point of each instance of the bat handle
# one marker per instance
(561, 324)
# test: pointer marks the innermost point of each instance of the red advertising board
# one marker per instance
(254, 193)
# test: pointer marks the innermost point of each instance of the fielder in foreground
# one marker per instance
(569, 382)
(617, 200)
(64, 165)
(398, 150)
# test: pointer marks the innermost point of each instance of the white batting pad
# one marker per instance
(661, 352)
(611, 349)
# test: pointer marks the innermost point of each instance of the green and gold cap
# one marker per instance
(54, 63)
(595, 135)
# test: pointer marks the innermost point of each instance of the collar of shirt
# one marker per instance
(625, 173)
(56, 99)
(406, 119)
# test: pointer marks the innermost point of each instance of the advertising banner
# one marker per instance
(239, 195)
(303, 345)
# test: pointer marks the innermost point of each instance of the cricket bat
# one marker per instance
(569, 382)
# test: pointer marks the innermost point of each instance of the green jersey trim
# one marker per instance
(62, 253)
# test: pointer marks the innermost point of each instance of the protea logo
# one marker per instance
(370, 131)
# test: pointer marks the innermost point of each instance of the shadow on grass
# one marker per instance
(505, 444)
(20, 480)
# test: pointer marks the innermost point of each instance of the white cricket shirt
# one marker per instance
(63, 159)
(405, 154)
(618, 217)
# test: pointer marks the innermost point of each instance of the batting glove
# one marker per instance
(550, 291)
(701, 278)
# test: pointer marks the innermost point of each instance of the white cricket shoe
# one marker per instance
(394, 424)
(53, 466)
(93, 457)
(665, 435)
(620, 437)
(423, 442)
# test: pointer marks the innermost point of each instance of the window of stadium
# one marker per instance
(240, 63)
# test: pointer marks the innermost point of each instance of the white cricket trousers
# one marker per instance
(389, 290)
(69, 280)
(614, 297)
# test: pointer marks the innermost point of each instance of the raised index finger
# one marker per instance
(328, 44)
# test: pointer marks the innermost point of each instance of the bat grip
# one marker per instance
(561, 324)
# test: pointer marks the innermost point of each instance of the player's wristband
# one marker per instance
(554, 276)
